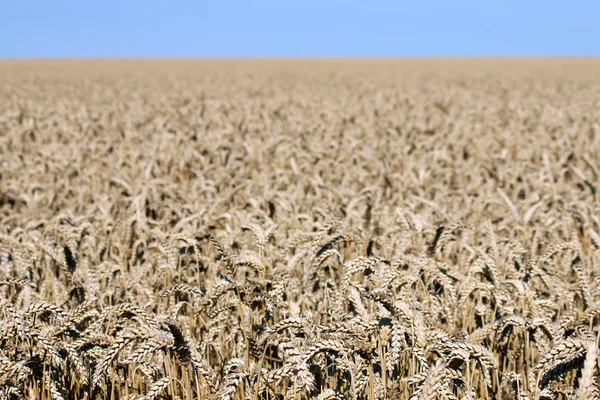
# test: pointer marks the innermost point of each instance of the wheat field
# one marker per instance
(300, 229)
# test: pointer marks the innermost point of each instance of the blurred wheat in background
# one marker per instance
(424, 229)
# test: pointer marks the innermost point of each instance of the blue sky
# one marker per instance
(265, 28)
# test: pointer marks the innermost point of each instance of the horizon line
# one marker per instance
(285, 58)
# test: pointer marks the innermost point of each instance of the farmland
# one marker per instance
(300, 229)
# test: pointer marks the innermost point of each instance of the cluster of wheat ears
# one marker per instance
(299, 229)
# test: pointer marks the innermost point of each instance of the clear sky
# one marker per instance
(280, 28)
